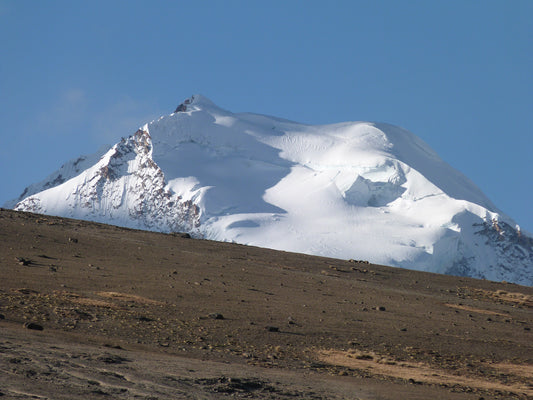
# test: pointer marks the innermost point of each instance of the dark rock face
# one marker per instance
(181, 108)
(508, 243)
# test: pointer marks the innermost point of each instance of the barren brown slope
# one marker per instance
(134, 314)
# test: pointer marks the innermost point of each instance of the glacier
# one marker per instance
(352, 190)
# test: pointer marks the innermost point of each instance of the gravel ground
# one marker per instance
(89, 310)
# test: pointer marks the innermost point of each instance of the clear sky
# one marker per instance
(459, 74)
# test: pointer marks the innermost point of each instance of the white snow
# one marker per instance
(349, 190)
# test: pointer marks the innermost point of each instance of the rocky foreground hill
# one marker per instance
(97, 311)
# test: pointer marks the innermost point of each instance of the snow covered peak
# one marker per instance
(349, 190)
(195, 102)
(201, 101)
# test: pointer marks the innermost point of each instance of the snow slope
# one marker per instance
(67, 171)
(349, 190)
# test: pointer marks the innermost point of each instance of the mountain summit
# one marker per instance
(349, 190)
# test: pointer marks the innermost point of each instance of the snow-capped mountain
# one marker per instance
(68, 170)
(350, 190)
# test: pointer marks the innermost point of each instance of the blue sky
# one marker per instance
(75, 75)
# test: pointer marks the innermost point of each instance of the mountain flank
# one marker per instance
(358, 190)
(89, 310)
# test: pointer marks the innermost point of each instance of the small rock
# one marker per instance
(380, 308)
(2, 316)
(359, 261)
(33, 326)
(112, 359)
(216, 316)
(23, 261)
(183, 235)
(272, 329)
(72, 240)
(113, 346)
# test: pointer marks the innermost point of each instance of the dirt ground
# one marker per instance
(96, 311)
